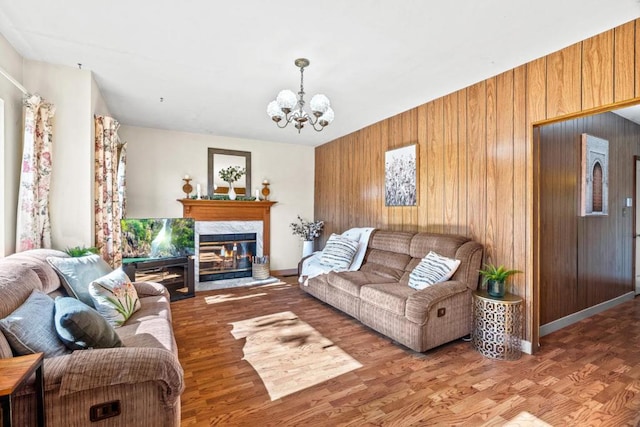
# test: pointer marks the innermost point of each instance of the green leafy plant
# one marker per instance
(498, 274)
(78, 251)
(232, 173)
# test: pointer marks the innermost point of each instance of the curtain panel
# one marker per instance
(110, 162)
(33, 227)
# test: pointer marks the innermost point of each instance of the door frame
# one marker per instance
(636, 232)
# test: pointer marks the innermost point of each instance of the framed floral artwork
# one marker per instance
(401, 177)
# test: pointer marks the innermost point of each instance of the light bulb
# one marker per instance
(319, 104)
(326, 118)
(274, 111)
(286, 100)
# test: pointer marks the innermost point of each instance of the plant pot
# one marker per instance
(496, 288)
(307, 248)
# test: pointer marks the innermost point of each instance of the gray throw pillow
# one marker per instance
(30, 329)
(81, 327)
(77, 273)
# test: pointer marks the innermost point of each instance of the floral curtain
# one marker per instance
(110, 162)
(33, 228)
(122, 178)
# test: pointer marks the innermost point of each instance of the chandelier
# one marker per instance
(288, 108)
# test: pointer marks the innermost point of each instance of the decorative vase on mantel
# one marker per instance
(232, 192)
(307, 248)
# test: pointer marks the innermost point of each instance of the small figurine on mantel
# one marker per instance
(265, 190)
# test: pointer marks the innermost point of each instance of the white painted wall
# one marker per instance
(11, 149)
(71, 201)
(98, 105)
(157, 160)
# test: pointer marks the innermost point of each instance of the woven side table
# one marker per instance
(497, 325)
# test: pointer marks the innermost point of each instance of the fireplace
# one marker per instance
(225, 256)
(215, 240)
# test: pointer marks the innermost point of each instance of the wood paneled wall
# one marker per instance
(476, 165)
(584, 261)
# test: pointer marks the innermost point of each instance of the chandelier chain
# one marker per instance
(301, 93)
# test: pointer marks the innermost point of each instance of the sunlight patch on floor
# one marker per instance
(217, 299)
(288, 354)
(525, 419)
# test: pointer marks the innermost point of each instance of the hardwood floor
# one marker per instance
(586, 374)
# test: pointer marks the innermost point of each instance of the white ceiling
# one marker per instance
(217, 64)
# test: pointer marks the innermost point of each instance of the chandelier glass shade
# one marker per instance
(289, 108)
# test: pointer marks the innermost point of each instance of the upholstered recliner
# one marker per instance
(143, 376)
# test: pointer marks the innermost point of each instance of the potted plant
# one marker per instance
(495, 278)
(231, 175)
(307, 231)
(80, 251)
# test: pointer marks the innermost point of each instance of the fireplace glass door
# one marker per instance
(226, 256)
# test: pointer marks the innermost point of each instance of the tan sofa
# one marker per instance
(379, 296)
(144, 375)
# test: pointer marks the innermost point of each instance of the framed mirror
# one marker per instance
(221, 159)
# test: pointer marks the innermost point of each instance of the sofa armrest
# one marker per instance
(85, 370)
(150, 289)
(420, 303)
(470, 254)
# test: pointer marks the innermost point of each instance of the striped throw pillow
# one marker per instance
(432, 269)
(338, 252)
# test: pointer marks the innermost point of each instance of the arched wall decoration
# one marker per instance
(595, 157)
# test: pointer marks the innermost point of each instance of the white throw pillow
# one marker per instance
(338, 252)
(432, 269)
(115, 297)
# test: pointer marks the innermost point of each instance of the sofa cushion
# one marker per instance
(389, 296)
(432, 269)
(30, 328)
(443, 244)
(152, 333)
(77, 273)
(115, 297)
(151, 307)
(339, 251)
(352, 281)
(390, 273)
(13, 296)
(80, 326)
(36, 259)
(391, 241)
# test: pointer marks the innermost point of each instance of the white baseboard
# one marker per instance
(583, 314)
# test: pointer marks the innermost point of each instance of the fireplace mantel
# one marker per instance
(229, 210)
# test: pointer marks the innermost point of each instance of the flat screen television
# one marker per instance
(153, 238)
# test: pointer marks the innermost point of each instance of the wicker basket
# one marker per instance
(260, 271)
